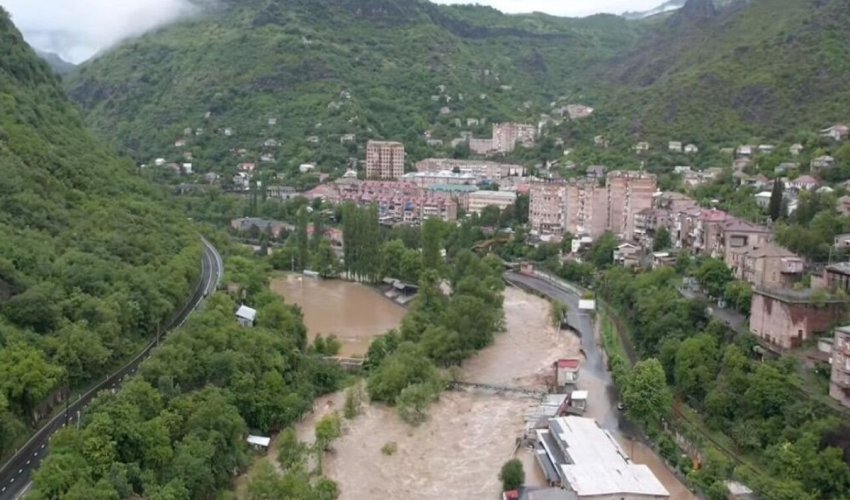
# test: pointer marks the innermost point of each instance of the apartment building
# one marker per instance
(547, 207)
(766, 265)
(588, 208)
(482, 170)
(628, 193)
(443, 177)
(384, 160)
(479, 200)
(507, 135)
(737, 234)
(839, 383)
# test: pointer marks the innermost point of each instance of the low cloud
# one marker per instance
(78, 29)
(571, 8)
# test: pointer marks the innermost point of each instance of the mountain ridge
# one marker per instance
(709, 71)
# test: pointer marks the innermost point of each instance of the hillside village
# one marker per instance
(794, 298)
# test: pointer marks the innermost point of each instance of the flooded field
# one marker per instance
(353, 312)
(458, 452)
(456, 455)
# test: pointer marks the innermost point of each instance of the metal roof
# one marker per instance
(596, 464)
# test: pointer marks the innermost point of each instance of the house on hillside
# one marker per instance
(674, 146)
(763, 199)
(691, 149)
(804, 182)
(838, 132)
(843, 205)
(641, 147)
(795, 149)
(784, 168)
(744, 151)
(822, 163)
(766, 148)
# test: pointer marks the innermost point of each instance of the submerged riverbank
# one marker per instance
(354, 312)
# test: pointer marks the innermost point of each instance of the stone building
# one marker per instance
(787, 318)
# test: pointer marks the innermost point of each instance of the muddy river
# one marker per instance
(353, 312)
(457, 453)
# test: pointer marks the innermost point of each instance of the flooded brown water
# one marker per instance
(353, 312)
(458, 452)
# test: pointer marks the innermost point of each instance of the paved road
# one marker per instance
(733, 319)
(15, 475)
(594, 377)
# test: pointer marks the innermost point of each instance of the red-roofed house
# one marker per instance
(566, 371)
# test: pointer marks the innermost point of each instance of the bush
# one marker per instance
(389, 449)
(413, 402)
(354, 396)
(512, 475)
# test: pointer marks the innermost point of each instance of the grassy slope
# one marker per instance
(767, 69)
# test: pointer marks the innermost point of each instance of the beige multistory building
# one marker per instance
(547, 207)
(584, 207)
(628, 194)
(587, 208)
(479, 200)
(507, 135)
(384, 160)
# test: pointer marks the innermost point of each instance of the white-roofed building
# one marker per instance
(246, 316)
(588, 461)
(259, 442)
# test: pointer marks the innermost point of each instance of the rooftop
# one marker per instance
(246, 312)
(597, 464)
(259, 441)
(804, 296)
(840, 267)
(506, 195)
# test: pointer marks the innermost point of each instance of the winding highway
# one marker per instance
(16, 474)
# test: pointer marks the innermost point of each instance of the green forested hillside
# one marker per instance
(92, 260)
(710, 72)
(331, 67)
(765, 68)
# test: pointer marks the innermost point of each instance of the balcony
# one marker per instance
(791, 266)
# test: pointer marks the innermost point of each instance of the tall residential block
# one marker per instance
(585, 207)
(628, 194)
(507, 135)
(547, 207)
(384, 160)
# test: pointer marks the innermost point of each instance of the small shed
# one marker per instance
(566, 371)
(246, 316)
(577, 402)
(259, 443)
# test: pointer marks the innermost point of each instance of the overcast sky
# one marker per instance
(77, 29)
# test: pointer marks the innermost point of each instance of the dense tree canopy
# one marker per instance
(93, 260)
(177, 429)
